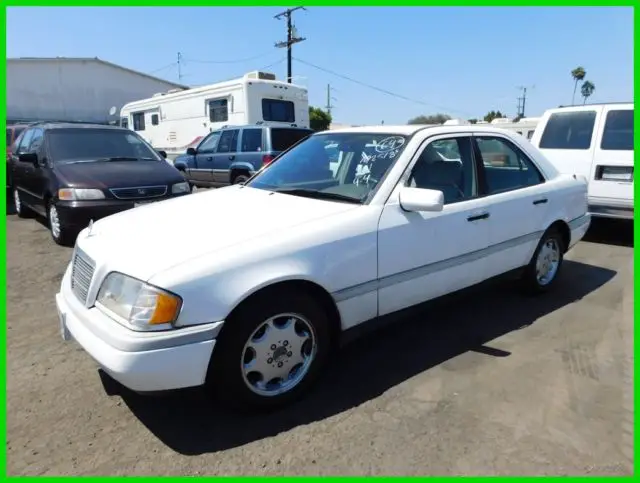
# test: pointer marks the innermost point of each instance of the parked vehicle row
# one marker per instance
(313, 246)
(75, 173)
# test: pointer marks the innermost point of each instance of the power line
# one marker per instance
(172, 64)
(379, 89)
(292, 37)
(237, 61)
(280, 61)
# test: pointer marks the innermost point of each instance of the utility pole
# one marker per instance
(522, 101)
(179, 67)
(329, 99)
(292, 37)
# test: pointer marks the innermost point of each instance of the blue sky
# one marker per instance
(457, 60)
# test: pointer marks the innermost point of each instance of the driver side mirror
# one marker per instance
(191, 151)
(163, 154)
(31, 158)
(419, 199)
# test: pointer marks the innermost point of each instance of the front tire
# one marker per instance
(271, 351)
(542, 272)
(61, 233)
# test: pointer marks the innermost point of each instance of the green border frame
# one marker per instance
(285, 3)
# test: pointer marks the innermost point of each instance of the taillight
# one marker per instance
(266, 160)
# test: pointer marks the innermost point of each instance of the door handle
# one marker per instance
(209, 158)
(232, 157)
(540, 201)
(480, 216)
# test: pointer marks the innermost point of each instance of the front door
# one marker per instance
(424, 255)
(224, 156)
(202, 170)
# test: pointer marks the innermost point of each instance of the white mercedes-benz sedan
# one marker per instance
(248, 288)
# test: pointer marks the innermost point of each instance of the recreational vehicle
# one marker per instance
(178, 119)
(525, 126)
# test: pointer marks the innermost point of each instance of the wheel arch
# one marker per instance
(564, 230)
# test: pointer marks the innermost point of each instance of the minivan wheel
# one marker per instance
(21, 210)
(60, 233)
(543, 269)
(271, 351)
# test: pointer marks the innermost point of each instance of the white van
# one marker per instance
(595, 141)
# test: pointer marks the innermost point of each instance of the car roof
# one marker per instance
(410, 129)
(75, 125)
(261, 126)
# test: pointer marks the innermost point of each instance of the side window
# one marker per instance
(251, 140)
(228, 141)
(618, 131)
(218, 110)
(568, 130)
(210, 143)
(530, 133)
(25, 141)
(155, 120)
(36, 141)
(138, 121)
(447, 165)
(124, 122)
(278, 110)
(505, 166)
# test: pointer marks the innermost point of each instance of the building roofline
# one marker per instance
(96, 59)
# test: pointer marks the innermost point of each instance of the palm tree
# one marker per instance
(587, 89)
(578, 74)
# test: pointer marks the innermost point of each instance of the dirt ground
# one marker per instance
(488, 383)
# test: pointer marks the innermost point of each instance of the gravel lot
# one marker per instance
(534, 386)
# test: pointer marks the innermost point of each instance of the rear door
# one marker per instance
(567, 138)
(611, 180)
(249, 156)
(224, 156)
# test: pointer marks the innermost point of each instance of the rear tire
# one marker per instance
(21, 210)
(239, 178)
(544, 268)
(271, 351)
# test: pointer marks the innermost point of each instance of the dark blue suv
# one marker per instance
(232, 154)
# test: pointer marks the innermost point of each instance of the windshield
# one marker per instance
(71, 145)
(338, 166)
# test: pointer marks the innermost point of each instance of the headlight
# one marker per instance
(178, 188)
(75, 194)
(141, 306)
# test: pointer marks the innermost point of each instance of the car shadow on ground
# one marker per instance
(610, 232)
(190, 423)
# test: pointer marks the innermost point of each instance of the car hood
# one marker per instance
(117, 174)
(144, 241)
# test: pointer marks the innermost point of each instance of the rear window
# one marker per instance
(282, 139)
(618, 131)
(568, 130)
(278, 111)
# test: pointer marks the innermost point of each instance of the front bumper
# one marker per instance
(141, 361)
(80, 213)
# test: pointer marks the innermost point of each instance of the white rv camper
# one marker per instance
(525, 126)
(179, 119)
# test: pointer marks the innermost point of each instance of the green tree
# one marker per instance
(433, 119)
(491, 115)
(578, 75)
(587, 90)
(319, 120)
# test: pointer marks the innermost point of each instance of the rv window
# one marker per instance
(282, 139)
(618, 131)
(251, 140)
(218, 111)
(530, 134)
(228, 141)
(568, 130)
(138, 121)
(279, 111)
(155, 120)
(124, 122)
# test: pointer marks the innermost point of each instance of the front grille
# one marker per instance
(139, 192)
(81, 275)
